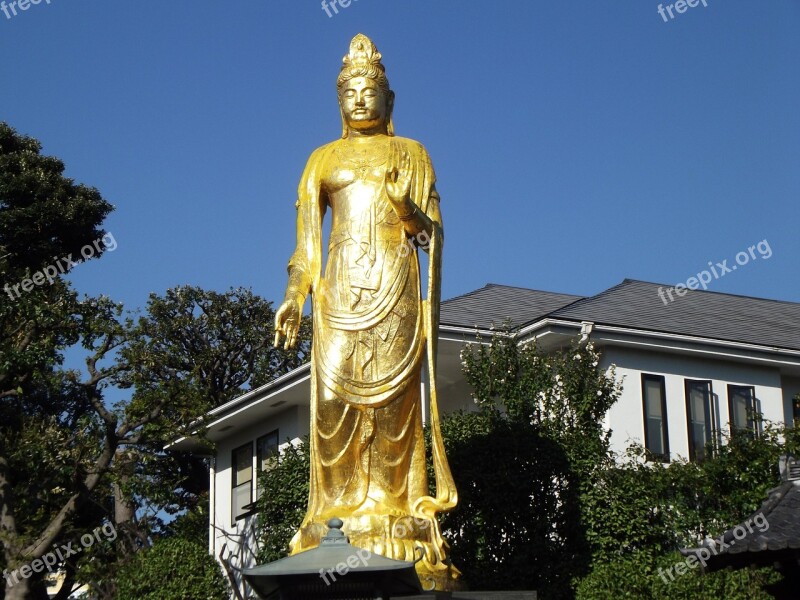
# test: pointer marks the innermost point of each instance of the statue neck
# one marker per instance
(365, 133)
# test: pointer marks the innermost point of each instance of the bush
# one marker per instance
(173, 569)
(641, 577)
(639, 513)
(283, 501)
(522, 463)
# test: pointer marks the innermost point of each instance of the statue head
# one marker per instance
(365, 99)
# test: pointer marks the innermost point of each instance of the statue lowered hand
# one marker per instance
(287, 323)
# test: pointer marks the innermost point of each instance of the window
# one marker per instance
(242, 480)
(699, 417)
(267, 449)
(796, 411)
(266, 454)
(742, 409)
(656, 436)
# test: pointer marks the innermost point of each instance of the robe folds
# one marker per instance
(373, 333)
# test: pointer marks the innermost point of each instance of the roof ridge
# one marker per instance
(587, 299)
(512, 287)
(627, 280)
(528, 289)
(470, 293)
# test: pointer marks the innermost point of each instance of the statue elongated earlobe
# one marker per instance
(389, 111)
(345, 131)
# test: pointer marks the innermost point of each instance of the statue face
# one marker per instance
(364, 104)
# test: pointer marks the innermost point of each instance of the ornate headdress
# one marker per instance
(364, 60)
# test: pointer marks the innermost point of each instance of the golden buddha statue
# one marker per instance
(373, 331)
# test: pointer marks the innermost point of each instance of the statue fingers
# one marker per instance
(282, 323)
(291, 336)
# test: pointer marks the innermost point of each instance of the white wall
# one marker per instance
(626, 418)
(237, 541)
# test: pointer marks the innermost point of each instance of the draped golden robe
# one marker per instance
(371, 332)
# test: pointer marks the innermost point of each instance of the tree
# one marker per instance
(71, 461)
(204, 348)
(522, 462)
(45, 218)
(46, 223)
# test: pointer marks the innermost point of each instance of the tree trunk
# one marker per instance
(18, 591)
(124, 506)
(124, 509)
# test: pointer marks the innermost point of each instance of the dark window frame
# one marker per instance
(246, 509)
(796, 411)
(709, 418)
(664, 425)
(259, 461)
(751, 426)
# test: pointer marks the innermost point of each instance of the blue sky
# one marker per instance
(576, 143)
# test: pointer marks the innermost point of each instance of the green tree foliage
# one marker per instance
(613, 521)
(282, 504)
(208, 345)
(194, 350)
(640, 513)
(522, 461)
(173, 569)
(70, 459)
(55, 434)
(43, 215)
(190, 352)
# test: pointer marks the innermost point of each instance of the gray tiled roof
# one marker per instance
(637, 305)
(493, 304)
(714, 315)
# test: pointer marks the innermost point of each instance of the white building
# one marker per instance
(691, 366)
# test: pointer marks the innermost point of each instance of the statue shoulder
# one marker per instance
(316, 161)
(411, 145)
(416, 150)
(322, 150)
